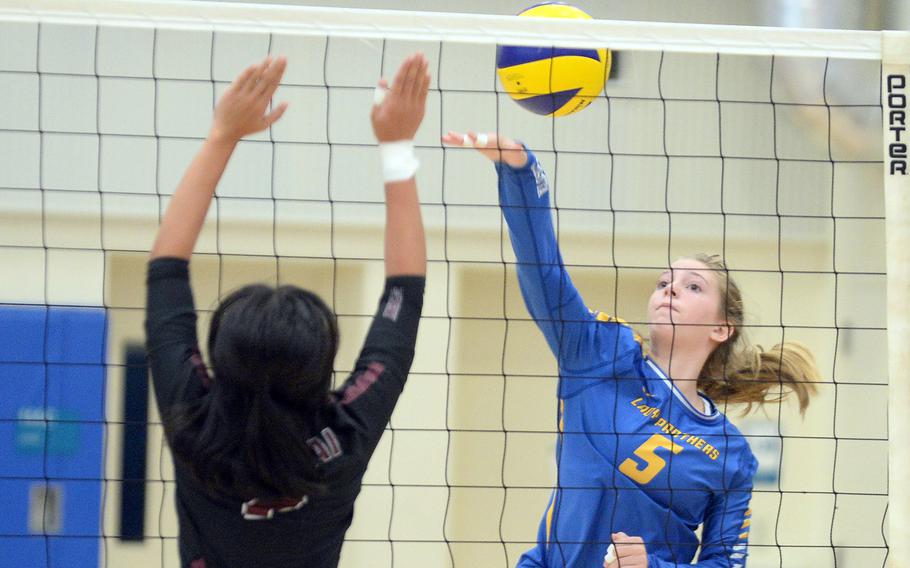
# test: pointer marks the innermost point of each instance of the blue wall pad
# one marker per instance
(52, 385)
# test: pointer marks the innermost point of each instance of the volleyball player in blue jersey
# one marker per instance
(644, 455)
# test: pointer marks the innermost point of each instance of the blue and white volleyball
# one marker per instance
(552, 81)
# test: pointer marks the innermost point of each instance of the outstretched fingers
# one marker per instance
(453, 138)
(481, 141)
(245, 79)
(276, 113)
(491, 145)
(416, 78)
(400, 81)
(425, 82)
(271, 77)
(252, 83)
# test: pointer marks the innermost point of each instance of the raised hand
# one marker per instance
(400, 111)
(241, 110)
(494, 147)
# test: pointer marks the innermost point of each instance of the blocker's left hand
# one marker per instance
(630, 552)
(241, 111)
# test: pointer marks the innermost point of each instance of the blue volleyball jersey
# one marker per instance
(633, 454)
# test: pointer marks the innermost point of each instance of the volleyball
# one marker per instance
(552, 81)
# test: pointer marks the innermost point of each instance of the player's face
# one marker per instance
(686, 301)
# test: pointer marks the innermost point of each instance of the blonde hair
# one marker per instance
(738, 372)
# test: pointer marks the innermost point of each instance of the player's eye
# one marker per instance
(662, 284)
(695, 287)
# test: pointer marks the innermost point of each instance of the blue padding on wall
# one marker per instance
(22, 333)
(35, 551)
(52, 386)
(28, 551)
(81, 507)
(14, 498)
(76, 335)
(20, 383)
(62, 440)
(69, 552)
(79, 388)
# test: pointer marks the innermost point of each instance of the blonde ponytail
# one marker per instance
(738, 372)
(751, 374)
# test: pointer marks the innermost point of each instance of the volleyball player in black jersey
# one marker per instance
(268, 459)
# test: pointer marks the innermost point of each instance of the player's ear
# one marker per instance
(722, 332)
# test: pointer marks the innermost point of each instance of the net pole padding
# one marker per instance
(472, 28)
(896, 122)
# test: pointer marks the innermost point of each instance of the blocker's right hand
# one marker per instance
(494, 147)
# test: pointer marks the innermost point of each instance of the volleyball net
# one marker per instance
(782, 150)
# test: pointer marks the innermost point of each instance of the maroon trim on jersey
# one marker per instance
(393, 305)
(257, 510)
(202, 373)
(363, 382)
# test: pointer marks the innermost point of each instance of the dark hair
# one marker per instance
(272, 351)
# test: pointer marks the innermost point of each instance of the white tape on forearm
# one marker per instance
(398, 160)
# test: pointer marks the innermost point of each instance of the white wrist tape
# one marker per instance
(398, 160)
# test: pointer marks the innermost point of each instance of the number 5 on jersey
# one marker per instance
(653, 463)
